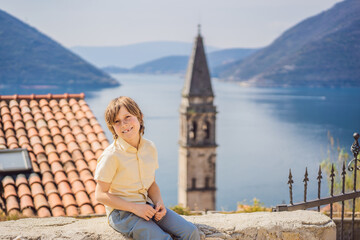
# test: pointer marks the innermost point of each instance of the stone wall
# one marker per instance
(298, 225)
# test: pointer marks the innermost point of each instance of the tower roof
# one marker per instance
(198, 82)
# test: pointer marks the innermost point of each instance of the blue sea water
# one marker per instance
(261, 133)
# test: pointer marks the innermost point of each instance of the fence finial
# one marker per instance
(290, 182)
(319, 177)
(306, 179)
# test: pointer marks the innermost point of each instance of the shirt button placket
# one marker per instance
(142, 190)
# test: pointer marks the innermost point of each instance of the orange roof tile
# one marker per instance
(54, 200)
(68, 200)
(63, 138)
(47, 177)
(82, 198)
(35, 140)
(58, 139)
(86, 175)
(89, 155)
(36, 189)
(85, 146)
(21, 179)
(56, 167)
(82, 122)
(64, 157)
(50, 188)
(81, 138)
(71, 211)
(86, 209)
(77, 186)
(60, 177)
(64, 188)
(69, 166)
(45, 109)
(35, 166)
(40, 201)
(49, 116)
(55, 131)
(81, 165)
(20, 132)
(66, 130)
(43, 212)
(53, 156)
(17, 117)
(26, 201)
(49, 147)
(6, 117)
(70, 117)
(69, 138)
(8, 125)
(99, 209)
(44, 167)
(38, 148)
(92, 165)
(90, 186)
(77, 155)
(58, 211)
(73, 176)
(23, 189)
(72, 146)
(12, 203)
(28, 212)
(9, 190)
(77, 130)
(61, 147)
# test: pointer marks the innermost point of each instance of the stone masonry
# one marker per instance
(297, 225)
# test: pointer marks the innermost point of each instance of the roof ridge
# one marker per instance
(42, 96)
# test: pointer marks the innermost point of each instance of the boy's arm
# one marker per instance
(103, 196)
(155, 195)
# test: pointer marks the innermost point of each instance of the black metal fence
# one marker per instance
(342, 197)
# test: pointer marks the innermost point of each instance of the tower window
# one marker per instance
(206, 129)
(193, 130)
(193, 183)
(207, 182)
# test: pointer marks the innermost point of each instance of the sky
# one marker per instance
(224, 24)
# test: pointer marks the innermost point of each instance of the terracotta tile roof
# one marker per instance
(64, 139)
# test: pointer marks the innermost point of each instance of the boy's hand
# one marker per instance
(144, 211)
(160, 211)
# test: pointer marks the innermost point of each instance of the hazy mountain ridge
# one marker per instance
(129, 56)
(319, 51)
(28, 57)
(178, 64)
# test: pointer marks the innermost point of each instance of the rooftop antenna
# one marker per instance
(199, 29)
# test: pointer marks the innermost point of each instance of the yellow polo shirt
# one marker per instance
(129, 171)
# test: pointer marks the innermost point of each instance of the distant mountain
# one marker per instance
(28, 57)
(165, 65)
(114, 69)
(323, 50)
(129, 56)
(178, 64)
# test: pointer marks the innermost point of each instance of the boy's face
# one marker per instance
(127, 126)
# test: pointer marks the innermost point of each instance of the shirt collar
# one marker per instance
(126, 146)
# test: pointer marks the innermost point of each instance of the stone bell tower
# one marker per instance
(197, 151)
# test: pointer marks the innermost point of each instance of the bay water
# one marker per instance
(261, 133)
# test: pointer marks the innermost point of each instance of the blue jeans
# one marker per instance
(136, 227)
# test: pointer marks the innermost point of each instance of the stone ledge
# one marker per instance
(298, 225)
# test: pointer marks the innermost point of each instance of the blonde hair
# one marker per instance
(113, 109)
